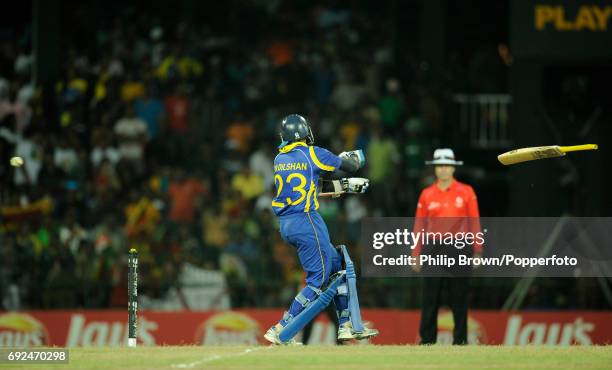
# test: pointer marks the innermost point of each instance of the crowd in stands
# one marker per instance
(161, 137)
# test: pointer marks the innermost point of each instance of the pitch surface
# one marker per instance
(342, 357)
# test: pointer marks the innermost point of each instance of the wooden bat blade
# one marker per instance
(529, 154)
(540, 152)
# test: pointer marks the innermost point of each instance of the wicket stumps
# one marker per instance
(132, 296)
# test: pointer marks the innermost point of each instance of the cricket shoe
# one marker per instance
(272, 336)
(345, 332)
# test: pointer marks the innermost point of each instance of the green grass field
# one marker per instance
(330, 357)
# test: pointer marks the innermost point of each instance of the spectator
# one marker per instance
(324, 78)
(71, 234)
(151, 110)
(215, 228)
(108, 236)
(132, 135)
(347, 94)
(239, 134)
(184, 192)
(65, 157)
(383, 160)
(391, 105)
(103, 150)
(106, 178)
(261, 164)
(132, 89)
(142, 216)
(248, 184)
(177, 106)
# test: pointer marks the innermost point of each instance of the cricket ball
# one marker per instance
(16, 161)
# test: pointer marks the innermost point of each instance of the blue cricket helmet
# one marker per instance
(293, 128)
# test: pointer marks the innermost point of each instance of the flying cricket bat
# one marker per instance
(540, 152)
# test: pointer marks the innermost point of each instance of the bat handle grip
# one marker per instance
(575, 148)
(330, 194)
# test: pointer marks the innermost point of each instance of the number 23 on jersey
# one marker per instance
(295, 193)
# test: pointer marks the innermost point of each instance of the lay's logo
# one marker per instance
(20, 330)
(228, 328)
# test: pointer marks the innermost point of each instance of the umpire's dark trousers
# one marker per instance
(458, 288)
(455, 281)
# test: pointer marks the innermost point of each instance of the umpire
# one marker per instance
(447, 197)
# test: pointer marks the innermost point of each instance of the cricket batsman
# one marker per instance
(296, 173)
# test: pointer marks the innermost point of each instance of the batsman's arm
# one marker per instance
(347, 167)
(350, 163)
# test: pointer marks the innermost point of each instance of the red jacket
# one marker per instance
(458, 200)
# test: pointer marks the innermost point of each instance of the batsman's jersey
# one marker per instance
(296, 172)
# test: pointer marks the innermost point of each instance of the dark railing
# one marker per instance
(484, 119)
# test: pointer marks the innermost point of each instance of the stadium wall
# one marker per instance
(246, 327)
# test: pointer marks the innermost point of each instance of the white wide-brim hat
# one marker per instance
(444, 156)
